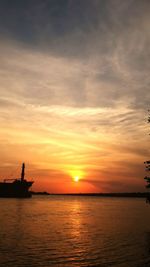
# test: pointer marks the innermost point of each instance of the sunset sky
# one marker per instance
(75, 93)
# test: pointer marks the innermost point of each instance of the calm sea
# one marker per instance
(74, 231)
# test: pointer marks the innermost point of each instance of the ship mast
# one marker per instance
(23, 172)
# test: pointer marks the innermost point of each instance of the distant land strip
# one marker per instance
(125, 194)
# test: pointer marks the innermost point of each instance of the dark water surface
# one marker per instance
(74, 231)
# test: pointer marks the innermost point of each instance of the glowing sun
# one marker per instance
(76, 178)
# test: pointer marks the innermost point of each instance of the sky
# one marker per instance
(75, 94)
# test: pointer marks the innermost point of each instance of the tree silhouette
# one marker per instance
(147, 164)
(147, 178)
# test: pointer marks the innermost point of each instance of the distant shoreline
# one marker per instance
(132, 194)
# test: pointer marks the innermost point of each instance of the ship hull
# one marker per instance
(17, 189)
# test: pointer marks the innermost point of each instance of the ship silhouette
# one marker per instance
(17, 188)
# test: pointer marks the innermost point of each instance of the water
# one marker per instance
(74, 231)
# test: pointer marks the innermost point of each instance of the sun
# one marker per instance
(76, 174)
(76, 178)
